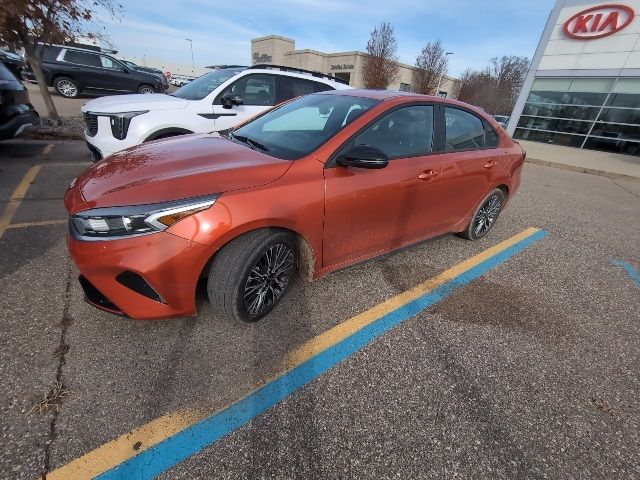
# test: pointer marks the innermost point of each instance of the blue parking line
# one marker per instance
(177, 448)
(635, 276)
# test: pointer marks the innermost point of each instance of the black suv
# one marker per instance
(16, 113)
(74, 70)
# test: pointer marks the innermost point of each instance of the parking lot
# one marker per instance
(527, 370)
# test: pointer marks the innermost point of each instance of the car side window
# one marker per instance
(294, 87)
(405, 132)
(463, 130)
(258, 89)
(323, 87)
(491, 140)
(109, 63)
(82, 58)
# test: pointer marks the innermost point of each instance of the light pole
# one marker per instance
(193, 67)
(442, 75)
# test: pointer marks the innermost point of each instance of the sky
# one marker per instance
(474, 30)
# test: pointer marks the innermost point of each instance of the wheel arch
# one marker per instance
(306, 254)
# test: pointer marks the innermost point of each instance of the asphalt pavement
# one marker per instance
(530, 371)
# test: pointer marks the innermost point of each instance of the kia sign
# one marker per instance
(598, 22)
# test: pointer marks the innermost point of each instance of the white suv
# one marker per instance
(215, 101)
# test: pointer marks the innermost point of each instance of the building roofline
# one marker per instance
(267, 37)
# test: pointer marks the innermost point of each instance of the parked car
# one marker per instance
(72, 71)
(318, 183)
(502, 120)
(13, 61)
(156, 71)
(215, 101)
(16, 112)
(180, 81)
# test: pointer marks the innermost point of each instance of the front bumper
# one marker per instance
(159, 263)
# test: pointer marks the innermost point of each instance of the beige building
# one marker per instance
(277, 50)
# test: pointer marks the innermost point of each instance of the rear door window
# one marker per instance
(82, 58)
(291, 87)
(463, 130)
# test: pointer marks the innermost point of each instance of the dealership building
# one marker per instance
(583, 87)
(277, 50)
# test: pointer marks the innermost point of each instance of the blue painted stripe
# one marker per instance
(191, 440)
(635, 276)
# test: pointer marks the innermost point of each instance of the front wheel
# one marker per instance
(485, 216)
(251, 274)
(146, 89)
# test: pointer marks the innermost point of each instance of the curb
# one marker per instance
(590, 171)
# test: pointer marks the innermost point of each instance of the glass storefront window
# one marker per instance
(620, 115)
(561, 111)
(613, 146)
(550, 137)
(555, 124)
(613, 130)
(593, 113)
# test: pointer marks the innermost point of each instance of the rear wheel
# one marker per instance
(485, 216)
(251, 274)
(146, 89)
(66, 87)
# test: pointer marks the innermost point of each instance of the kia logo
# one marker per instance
(598, 22)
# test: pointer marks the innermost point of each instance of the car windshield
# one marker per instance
(207, 83)
(299, 127)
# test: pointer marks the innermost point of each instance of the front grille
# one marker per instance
(91, 123)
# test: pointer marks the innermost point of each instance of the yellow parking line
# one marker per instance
(36, 224)
(47, 150)
(17, 197)
(140, 439)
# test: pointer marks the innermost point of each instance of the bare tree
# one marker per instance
(31, 24)
(495, 88)
(431, 65)
(381, 66)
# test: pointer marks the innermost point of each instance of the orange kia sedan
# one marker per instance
(315, 184)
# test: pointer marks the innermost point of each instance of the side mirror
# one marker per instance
(364, 156)
(230, 99)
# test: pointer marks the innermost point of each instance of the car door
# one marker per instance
(469, 162)
(258, 92)
(369, 211)
(85, 67)
(115, 76)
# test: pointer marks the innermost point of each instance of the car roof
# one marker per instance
(385, 95)
(304, 76)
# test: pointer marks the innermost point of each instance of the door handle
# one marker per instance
(428, 175)
(490, 164)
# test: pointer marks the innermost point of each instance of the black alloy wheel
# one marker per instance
(485, 216)
(268, 279)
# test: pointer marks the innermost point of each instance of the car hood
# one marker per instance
(134, 103)
(172, 169)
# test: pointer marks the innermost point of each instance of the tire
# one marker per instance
(239, 269)
(485, 216)
(144, 88)
(66, 87)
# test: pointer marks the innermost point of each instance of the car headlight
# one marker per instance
(120, 123)
(118, 222)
